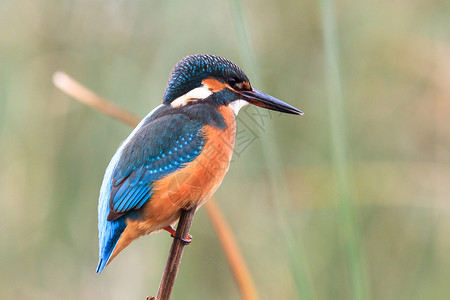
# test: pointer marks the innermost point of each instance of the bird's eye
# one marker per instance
(231, 81)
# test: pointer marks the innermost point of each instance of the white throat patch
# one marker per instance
(199, 93)
(237, 105)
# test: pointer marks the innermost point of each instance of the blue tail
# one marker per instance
(108, 238)
(108, 231)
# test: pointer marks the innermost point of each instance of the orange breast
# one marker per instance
(195, 183)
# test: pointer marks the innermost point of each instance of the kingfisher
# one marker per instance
(178, 155)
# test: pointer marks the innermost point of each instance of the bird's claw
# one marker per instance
(173, 232)
(185, 241)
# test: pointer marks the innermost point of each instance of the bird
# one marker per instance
(179, 153)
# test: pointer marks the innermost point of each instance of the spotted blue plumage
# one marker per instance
(164, 142)
(132, 177)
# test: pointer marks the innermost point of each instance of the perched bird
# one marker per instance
(179, 153)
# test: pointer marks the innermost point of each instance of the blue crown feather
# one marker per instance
(189, 72)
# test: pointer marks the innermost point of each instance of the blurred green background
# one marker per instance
(350, 201)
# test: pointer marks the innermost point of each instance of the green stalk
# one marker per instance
(272, 159)
(340, 153)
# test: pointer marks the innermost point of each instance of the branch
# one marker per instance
(234, 256)
(71, 87)
(175, 254)
(240, 271)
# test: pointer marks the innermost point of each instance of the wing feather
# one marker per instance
(158, 149)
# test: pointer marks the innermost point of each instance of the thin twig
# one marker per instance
(73, 88)
(234, 256)
(175, 255)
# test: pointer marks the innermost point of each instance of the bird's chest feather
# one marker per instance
(198, 180)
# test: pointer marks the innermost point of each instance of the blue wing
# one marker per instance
(158, 149)
(160, 145)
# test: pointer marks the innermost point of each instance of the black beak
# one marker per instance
(261, 99)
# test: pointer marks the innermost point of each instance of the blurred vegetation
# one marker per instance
(395, 82)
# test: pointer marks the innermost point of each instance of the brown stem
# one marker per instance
(73, 88)
(235, 258)
(175, 255)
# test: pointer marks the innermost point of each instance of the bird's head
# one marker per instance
(209, 79)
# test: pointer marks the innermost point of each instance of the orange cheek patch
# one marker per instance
(213, 85)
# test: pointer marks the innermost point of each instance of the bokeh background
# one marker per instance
(350, 201)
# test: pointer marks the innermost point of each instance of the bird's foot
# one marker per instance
(172, 232)
(185, 241)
